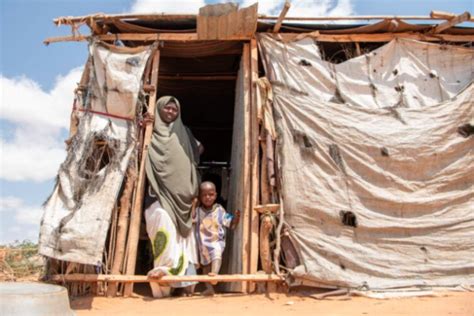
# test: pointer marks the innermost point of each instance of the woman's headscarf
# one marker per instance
(171, 167)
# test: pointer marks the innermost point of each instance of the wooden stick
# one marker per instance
(267, 208)
(265, 252)
(442, 15)
(247, 178)
(67, 20)
(382, 37)
(122, 227)
(254, 217)
(451, 22)
(149, 37)
(283, 13)
(130, 279)
(206, 78)
(136, 213)
(355, 17)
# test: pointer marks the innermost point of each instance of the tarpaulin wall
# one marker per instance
(77, 215)
(377, 181)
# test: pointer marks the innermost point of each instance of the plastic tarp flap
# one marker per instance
(77, 214)
(116, 78)
(377, 196)
(401, 73)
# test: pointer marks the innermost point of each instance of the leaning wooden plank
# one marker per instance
(466, 16)
(136, 213)
(254, 151)
(283, 13)
(130, 279)
(246, 185)
(122, 227)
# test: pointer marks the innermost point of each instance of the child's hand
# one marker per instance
(236, 219)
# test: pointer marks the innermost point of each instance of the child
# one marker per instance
(211, 223)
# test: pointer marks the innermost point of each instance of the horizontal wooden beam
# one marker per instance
(68, 20)
(355, 17)
(151, 37)
(342, 38)
(205, 78)
(77, 277)
(466, 16)
(381, 37)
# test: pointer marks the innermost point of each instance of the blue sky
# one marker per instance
(37, 83)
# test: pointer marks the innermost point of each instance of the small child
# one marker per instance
(211, 223)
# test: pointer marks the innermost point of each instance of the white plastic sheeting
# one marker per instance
(78, 213)
(116, 76)
(400, 73)
(74, 229)
(377, 194)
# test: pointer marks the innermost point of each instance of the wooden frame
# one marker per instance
(131, 279)
(342, 38)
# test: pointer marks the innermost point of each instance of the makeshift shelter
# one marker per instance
(348, 148)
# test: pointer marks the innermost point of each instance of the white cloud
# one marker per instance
(172, 7)
(267, 7)
(19, 220)
(39, 120)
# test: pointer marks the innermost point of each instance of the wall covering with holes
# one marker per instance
(377, 179)
(77, 214)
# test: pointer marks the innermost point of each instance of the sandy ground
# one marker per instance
(452, 303)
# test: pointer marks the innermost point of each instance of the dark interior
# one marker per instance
(205, 87)
(202, 76)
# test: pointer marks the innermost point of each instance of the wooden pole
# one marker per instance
(136, 213)
(382, 37)
(131, 279)
(442, 15)
(148, 37)
(254, 133)
(280, 19)
(196, 78)
(355, 17)
(466, 16)
(185, 37)
(122, 228)
(67, 20)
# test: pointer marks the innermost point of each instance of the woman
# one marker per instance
(171, 169)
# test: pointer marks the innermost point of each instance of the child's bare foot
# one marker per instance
(208, 292)
(212, 274)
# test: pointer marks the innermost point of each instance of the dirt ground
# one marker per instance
(452, 303)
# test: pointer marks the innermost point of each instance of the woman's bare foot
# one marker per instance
(156, 274)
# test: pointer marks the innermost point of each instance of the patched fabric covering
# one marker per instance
(116, 78)
(378, 194)
(77, 215)
(401, 73)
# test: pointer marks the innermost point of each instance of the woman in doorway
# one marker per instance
(171, 169)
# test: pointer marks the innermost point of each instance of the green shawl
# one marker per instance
(171, 167)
